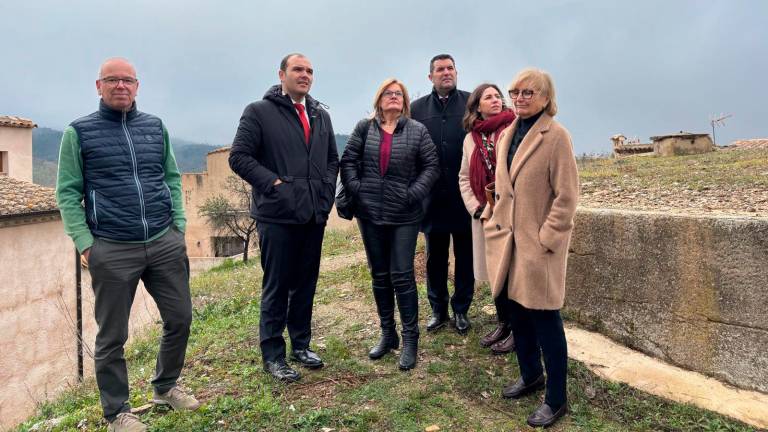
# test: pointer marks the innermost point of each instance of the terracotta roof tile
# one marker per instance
(11, 121)
(18, 197)
(220, 150)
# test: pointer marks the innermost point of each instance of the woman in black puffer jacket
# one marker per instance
(390, 175)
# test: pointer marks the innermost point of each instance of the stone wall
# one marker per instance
(38, 317)
(691, 290)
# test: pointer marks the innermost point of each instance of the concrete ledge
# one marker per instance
(691, 290)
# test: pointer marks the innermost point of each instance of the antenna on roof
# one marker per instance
(716, 120)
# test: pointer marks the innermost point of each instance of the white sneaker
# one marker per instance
(177, 399)
(127, 422)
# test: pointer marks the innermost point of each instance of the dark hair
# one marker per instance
(284, 61)
(440, 57)
(471, 114)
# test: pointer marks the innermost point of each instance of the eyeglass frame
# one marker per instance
(115, 81)
(521, 94)
(390, 93)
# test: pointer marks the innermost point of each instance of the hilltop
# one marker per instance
(733, 180)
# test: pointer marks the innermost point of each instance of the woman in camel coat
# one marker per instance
(527, 233)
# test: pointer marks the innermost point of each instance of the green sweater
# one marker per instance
(69, 190)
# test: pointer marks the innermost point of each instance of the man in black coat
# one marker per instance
(286, 149)
(441, 112)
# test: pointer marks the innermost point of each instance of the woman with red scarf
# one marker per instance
(486, 117)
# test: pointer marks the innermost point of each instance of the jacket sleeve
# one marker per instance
(172, 178)
(470, 201)
(69, 191)
(333, 155)
(349, 159)
(564, 180)
(430, 168)
(246, 149)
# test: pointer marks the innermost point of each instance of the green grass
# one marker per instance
(733, 168)
(456, 384)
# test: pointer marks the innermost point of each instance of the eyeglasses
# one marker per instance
(114, 81)
(523, 94)
(390, 93)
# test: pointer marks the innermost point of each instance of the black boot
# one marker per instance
(408, 303)
(385, 305)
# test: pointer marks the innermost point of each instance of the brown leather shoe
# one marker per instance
(545, 416)
(504, 346)
(499, 333)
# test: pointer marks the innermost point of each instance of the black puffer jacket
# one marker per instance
(269, 144)
(395, 198)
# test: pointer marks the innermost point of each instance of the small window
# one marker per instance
(3, 163)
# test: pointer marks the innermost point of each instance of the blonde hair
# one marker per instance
(377, 113)
(541, 81)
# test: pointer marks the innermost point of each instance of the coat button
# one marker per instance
(498, 227)
(497, 197)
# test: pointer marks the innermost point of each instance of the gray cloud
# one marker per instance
(640, 68)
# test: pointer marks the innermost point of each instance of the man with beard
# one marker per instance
(286, 150)
(441, 112)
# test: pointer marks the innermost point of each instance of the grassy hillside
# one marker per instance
(456, 384)
(731, 181)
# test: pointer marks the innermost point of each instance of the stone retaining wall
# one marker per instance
(691, 290)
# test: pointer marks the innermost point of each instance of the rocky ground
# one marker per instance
(732, 180)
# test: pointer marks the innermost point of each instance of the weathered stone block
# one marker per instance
(692, 290)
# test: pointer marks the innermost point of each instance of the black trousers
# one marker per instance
(115, 270)
(503, 308)
(537, 333)
(290, 258)
(438, 245)
(390, 250)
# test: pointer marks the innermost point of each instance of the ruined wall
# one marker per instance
(38, 358)
(691, 290)
(679, 146)
(197, 188)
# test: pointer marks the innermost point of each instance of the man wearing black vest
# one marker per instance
(441, 112)
(119, 194)
(286, 150)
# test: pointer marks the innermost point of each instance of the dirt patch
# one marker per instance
(761, 143)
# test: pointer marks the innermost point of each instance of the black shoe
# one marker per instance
(281, 371)
(437, 321)
(519, 388)
(408, 355)
(387, 343)
(307, 358)
(462, 323)
(544, 416)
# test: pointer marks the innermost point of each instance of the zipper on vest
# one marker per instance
(136, 177)
(93, 203)
(170, 197)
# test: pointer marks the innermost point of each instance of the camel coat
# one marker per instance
(471, 203)
(528, 231)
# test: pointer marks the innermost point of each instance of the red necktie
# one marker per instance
(304, 122)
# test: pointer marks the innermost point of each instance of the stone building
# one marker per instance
(682, 143)
(202, 240)
(16, 147)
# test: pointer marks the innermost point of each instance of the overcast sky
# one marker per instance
(640, 68)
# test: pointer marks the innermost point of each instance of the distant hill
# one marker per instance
(190, 155)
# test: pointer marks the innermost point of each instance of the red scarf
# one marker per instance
(480, 173)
